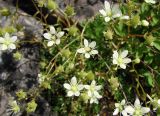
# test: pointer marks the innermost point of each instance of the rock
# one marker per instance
(92, 2)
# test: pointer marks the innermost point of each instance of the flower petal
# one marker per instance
(70, 93)
(123, 102)
(103, 12)
(116, 111)
(7, 35)
(4, 47)
(1, 40)
(77, 93)
(124, 54)
(14, 38)
(107, 6)
(125, 17)
(85, 42)
(94, 52)
(107, 19)
(52, 30)
(50, 43)
(86, 86)
(80, 87)
(129, 109)
(47, 35)
(87, 55)
(137, 102)
(60, 34)
(126, 60)
(115, 61)
(98, 87)
(92, 44)
(115, 55)
(58, 41)
(123, 66)
(145, 110)
(73, 81)
(12, 46)
(67, 86)
(81, 50)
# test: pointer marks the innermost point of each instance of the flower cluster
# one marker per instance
(74, 88)
(130, 110)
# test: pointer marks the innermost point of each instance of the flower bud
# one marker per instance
(149, 39)
(114, 83)
(73, 30)
(69, 10)
(108, 34)
(137, 61)
(31, 106)
(5, 12)
(52, 5)
(17, 56)
(90, 75)
(145, 23)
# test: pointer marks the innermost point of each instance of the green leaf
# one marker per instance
(149, 78)
(156, 44)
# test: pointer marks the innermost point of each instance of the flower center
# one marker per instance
(120, 60)
(87, 49)
(137, 111)
(74, 88)
(7, 42)
(109, 14)
(53, 37)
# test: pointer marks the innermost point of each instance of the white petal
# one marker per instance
(52, 30)
(158, 101)
(107, 19)
(123, 102)
(115, 61)
(12, 46)
(81, 50)
(117, 105)
(4, 47)
(89, 93)
(92, 44)
(47, 35)
(70, 93)
(125, 17)
(58, 41)
(116, 12)
(124, 54)
(87, 55)
(60, 34)
(116, 15)
(14, 38)
(94, 52)
(145, 110)
(93, 83)
(137, 102)
(67, 86)
(1, 40)
(50, 43)
(115, 55)
(85, 42)
(97, 95)
(73, 81)
(86, 86)
(98, 87)
(77, 93)
(6, 35)
(103, 12)
(123, 66)
(107, 6)
(129, 109)
(126, 60)
(116, 111)
(80, 87)
(124, 113)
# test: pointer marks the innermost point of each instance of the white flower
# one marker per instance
(120, 59)
(53, 36)
(73, 89)
(144, 23)
(13, 107)
(120, 108)
(41, 78)
(137, 109)
(7, 42)
(93, 92)
(150, 1)
(109, 13)
(88, 49)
